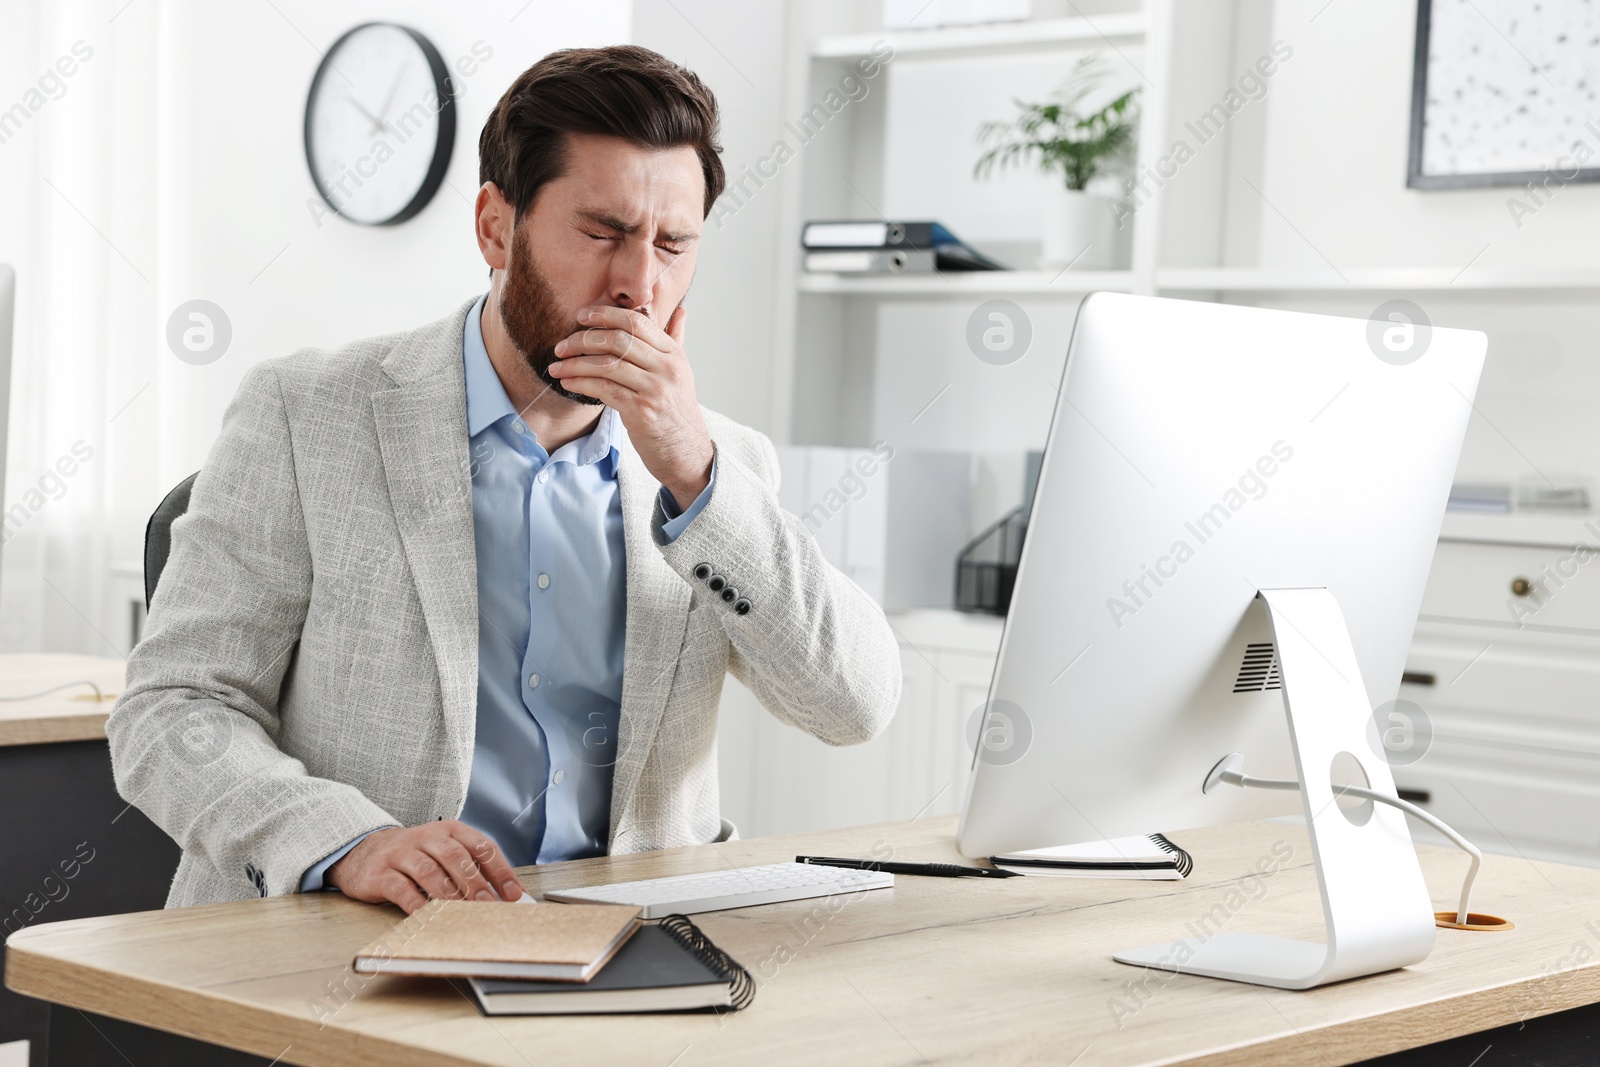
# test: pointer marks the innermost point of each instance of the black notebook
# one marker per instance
(670, 966)
(1150, 857)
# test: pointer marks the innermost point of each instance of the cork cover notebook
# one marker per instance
(473, 939)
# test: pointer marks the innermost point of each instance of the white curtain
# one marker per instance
(78, 220)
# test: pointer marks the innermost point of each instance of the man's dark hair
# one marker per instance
(621, 91)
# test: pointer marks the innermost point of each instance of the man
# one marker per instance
(461, 598)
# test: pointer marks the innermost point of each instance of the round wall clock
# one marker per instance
(380, 124)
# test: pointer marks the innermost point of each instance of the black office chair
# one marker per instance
(158, 534)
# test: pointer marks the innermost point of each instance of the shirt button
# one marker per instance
(519, 427)
(559, 777)
(533, 681)
(544, 476)
(544, 581)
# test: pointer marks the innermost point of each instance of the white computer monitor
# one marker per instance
(8, 304)
(1201, 453)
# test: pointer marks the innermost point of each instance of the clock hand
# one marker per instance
(383, 113)
(377, 123)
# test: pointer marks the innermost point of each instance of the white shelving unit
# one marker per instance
(1189, 281)
(1370, 280)
(828, 326)
(998, 39)
(1046, 283)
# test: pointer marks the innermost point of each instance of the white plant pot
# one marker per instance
(1080, 229)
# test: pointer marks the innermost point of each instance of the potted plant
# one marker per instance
(1076, 146)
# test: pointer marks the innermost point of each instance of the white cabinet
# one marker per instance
(931, 761)
(1505, 666)
(893, 520)
(777, 779)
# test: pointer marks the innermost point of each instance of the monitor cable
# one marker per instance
(1227, 772)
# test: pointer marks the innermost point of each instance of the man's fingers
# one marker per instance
(619, 343)
(400, 890)
(628, 375)
(426, 872)
(677, 324)
(637, 323)
(603, 389)
(460, 866)
(489, 860)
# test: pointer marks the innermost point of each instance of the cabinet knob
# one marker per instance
(1521, 586)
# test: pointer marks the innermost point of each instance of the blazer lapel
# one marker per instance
(422, 434)
(658, 612)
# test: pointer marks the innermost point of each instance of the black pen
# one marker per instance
(936, 870)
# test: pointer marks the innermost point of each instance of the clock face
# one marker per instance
(380, 124)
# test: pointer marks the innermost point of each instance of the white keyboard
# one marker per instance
(741, 887)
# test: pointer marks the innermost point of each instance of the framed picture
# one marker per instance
(1505, 92)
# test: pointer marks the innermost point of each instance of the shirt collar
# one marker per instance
(603, 443)
(487, 402)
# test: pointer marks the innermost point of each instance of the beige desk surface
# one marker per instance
(934, 970)
(69, 715)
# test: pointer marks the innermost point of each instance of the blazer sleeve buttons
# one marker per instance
(719, 585)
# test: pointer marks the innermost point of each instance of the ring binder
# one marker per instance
(741, 985)
(1184, 861)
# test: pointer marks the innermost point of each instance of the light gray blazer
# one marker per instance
(309, 669)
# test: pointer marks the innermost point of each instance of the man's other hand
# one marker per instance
(444, 860)
(626, 360)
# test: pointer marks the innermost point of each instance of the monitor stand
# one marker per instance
(1374, 901)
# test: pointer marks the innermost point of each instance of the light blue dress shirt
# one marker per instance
(552, 615)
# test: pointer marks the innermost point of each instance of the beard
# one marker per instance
(533, 321)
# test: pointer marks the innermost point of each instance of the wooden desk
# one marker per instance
(69, 715)
(946, 970)
(58, 804)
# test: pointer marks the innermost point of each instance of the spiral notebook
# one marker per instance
(1150, 857)
(671, 966)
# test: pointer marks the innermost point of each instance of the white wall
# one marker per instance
(236, 228)
(737, 48)
(1336, 161)
(1330, 157)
